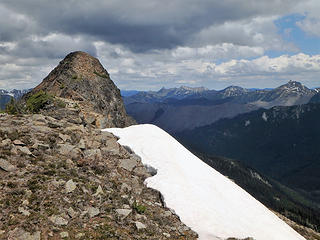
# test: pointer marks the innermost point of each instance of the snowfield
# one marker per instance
(205, 200)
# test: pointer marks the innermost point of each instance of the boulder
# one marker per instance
(58, 220)
(123, 212)
(70, 186)
(6, 166)
(20, 234)
(128, 164)
(93, 212)
(140, 225)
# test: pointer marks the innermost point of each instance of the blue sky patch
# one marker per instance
(291, 32)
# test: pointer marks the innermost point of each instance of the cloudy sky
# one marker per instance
(147, 44)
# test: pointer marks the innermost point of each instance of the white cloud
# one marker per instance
(310, 25)
(203, 66)
(284, 64)
(20, 74)
(255, 32)
(217, 52)
(311, 11)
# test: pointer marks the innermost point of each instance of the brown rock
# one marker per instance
(81, 77)
(18, 142)
(20, 234)
(6, 166)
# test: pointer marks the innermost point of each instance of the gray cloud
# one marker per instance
(141, 25)
(144, 43)
(53, 46)
(14, 25)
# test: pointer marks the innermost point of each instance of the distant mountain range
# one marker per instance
(163, 94)
(183, 108)
(5, 96)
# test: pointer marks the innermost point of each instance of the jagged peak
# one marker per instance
(294, 87)
(232, 87)
(72, 71)
(83, 64)
(162, 89)
(233, 91)
(82, 78)
(293, 84)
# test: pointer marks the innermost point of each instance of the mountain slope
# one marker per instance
(315, 98)
(292, 93)
(282, 142)
(82, 78)
(186, 114)
(203, 198)
(271, 193)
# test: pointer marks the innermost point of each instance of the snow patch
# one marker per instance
(257, 176)
(264, 116)
(247, 123)
(205, 200)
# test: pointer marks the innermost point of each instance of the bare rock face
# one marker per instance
(82, 78)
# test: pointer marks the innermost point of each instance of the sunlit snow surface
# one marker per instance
(209, 203)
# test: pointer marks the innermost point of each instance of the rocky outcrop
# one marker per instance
(60, 179)
(81, 78)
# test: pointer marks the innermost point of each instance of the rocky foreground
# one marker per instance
(62, 179)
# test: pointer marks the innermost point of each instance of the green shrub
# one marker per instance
(139, 208)
(60, 104)
(12, 107)
(38, 100)
(101, 74)
(33, 185)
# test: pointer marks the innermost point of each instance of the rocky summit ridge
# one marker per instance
(61, 177)
(81, 78)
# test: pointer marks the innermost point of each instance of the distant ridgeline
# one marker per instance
(185, 108)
